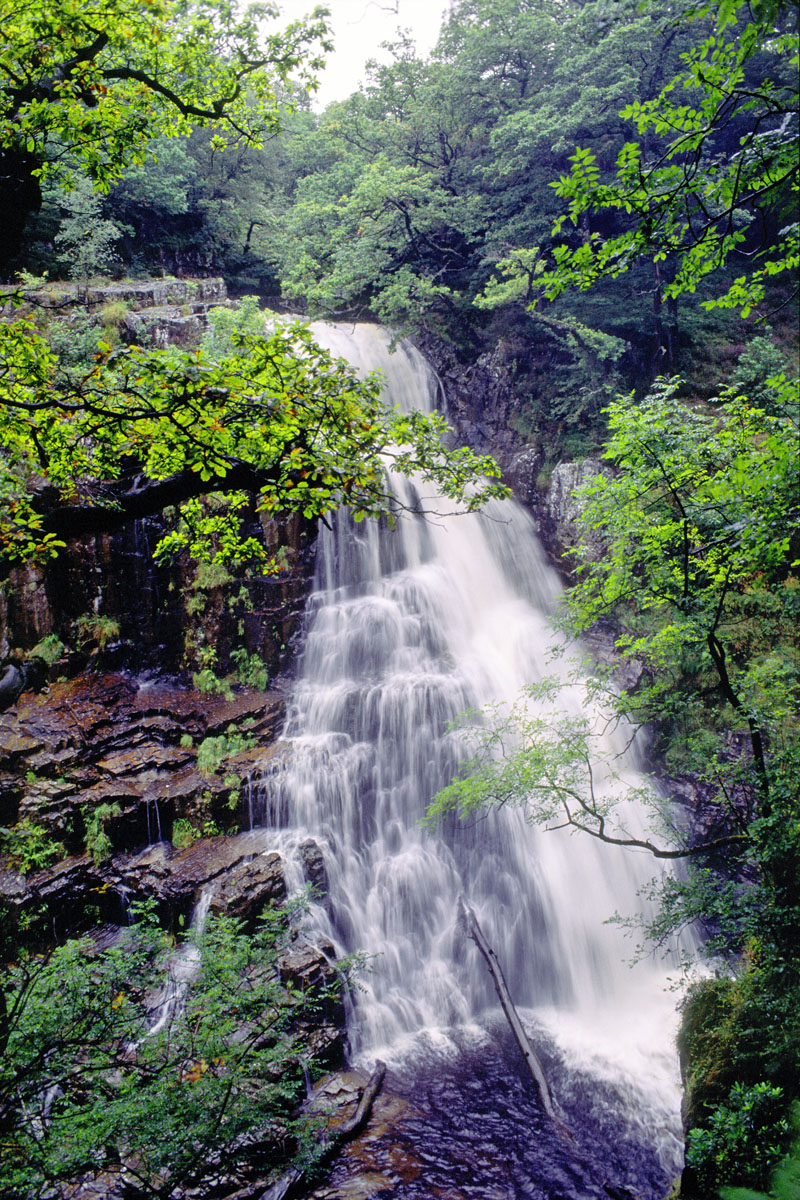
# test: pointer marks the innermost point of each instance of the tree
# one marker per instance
(699, 514)
(714, 175)
(702, 523)
(91, 1082)
(86, 239)
(87, 91)
(437, 174)
(137, 431)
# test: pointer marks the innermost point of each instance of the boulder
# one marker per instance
(314, 867)
(562, 509)
(164, 326)
(522, 474)
(249, 887)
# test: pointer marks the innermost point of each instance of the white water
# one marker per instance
(183, 968)
(405, 630)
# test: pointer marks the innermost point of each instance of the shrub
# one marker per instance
(177, 1109)
(98, 843)
(183, 833)
(213, 751)
(251, 670)
(743, 1140)
(94, 627)
(29, 847)
(50, 648)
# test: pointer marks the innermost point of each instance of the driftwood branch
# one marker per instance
(283, 1188)
(470, 922)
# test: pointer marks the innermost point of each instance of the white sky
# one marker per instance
(359, 27)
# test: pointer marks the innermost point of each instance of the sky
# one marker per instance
(359, 27)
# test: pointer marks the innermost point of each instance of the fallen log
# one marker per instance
(283, 1187)
(473, 929)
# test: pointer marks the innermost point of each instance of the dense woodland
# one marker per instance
(607, 192)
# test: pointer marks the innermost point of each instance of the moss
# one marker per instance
(707, 1040)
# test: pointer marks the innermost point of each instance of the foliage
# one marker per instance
(98, 842)
(744, 1141)
(206, 679)
(216, 210)
(87, 1082)
(436, 171)
(785, 1181)
(213, 751)
(183, 833)
(251, 670)
(702, 519)
(86, 239)
(522, 755)
(97, 628)
(759, 362)
(226, 325)
(73, 91)
(29, 847)
(50, 648)
(715, 167)
(281, 418)
(74, 341)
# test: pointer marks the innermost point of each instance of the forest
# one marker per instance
(592, 207)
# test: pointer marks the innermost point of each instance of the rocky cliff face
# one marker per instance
(481, 400)
(149, 755)
(478, 397)
(163, 618)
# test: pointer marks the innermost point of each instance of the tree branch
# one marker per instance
(126, 500)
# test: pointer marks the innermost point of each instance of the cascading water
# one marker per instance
(405, 630)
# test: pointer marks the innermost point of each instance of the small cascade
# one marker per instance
(154, 824)
(183, 967)
(406, 629)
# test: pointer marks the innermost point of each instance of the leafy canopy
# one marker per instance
(716, 159)
(93, 84)
(138, 430)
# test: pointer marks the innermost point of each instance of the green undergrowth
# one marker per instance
(87, 1086)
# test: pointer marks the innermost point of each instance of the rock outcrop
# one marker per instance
(114, 755)
(559, 511)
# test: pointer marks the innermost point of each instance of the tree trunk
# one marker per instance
(528, 1053)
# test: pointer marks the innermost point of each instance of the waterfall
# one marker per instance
(405, 629)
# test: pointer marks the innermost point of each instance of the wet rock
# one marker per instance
(314, 867)
(561, 509)
(370, 1157)
(65, 898)
(249, 887)
(522, 474)
(165, 326)
(71, 894)
(106, 740)
(308, 969)
(627, 674)
(176, 878)
(15, 745)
